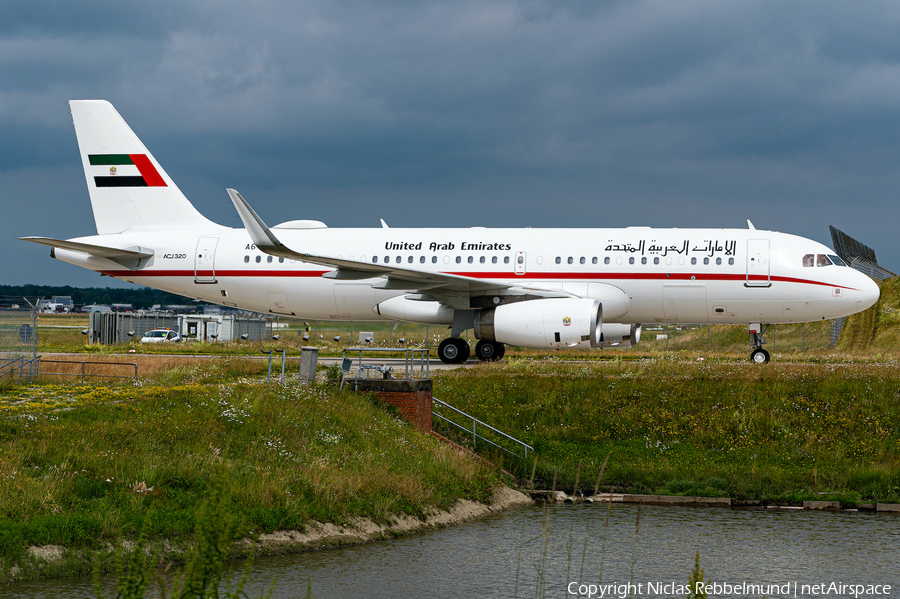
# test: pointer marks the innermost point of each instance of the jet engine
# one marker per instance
(619, 335)
(552, 322)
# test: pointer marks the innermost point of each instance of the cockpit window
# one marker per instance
(810, 260)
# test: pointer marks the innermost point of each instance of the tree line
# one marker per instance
(138, 297)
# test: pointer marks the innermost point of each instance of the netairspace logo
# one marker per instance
(723, 589)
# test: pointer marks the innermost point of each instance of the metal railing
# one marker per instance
(521, 445)
(413, 360)
(20, 367)
(84, 374)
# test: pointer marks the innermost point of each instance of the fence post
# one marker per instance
(82, 373)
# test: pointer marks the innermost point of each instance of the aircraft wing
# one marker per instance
(430, 285)
(130, 258)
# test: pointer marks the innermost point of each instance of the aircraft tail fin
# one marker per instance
(129, 189)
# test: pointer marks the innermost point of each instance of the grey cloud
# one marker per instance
(461, 112)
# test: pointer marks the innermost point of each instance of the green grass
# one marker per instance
(82, 466)
(779, 433)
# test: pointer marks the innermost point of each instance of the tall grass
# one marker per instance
(81, 466)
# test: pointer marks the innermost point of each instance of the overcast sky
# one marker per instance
(460, 113)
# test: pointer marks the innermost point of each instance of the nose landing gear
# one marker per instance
(758, 355)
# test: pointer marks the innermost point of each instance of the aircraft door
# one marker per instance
(758, 267)
(521, 259)
(685, 304)
(279, 304)
(205, 260)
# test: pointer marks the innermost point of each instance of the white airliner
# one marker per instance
(543, 288)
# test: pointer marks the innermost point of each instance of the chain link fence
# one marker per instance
(18, 344)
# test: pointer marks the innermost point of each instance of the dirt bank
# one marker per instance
(50, 561)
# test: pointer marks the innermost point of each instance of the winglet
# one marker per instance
(259, 232)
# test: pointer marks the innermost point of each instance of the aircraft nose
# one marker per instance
(868, 292)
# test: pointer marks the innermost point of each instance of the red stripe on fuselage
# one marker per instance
(503, 277)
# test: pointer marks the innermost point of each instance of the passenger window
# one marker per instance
(606, 260)
(571, 260)
(410, 260)
(269, 259)
(631, 260)
(258, 259)
(374, 259)
(246, 259)
(809, 260)
(505, 259)
(731, 261)
(494, 260)
(718, 261)
(399, 260)
(471, 260)
(594, 260)
(481, 260)
(656, 260)
(387, 259)
(558, 260)
(581, 261)
(281, 261)
(434, 259)
(706, 261)
(421, 259)
(458, 259)
(693, 261)
(644, 260)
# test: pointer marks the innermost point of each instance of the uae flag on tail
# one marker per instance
(126, 170)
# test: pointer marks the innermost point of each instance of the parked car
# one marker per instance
(160, 335)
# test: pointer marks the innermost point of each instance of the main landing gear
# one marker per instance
(489, 351)
(758, 355)
(454, 350)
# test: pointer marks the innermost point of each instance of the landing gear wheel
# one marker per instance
(453, 351)
(489, 351)
(759, 356)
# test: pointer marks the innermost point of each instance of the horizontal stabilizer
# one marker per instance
(127, 257)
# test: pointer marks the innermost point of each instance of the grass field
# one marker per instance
(779, 433)
(84, 465)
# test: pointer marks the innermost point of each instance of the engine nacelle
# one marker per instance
(405, 310)
(552, 322)
(619, 335)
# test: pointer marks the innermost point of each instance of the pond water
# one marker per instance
(600, 550)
